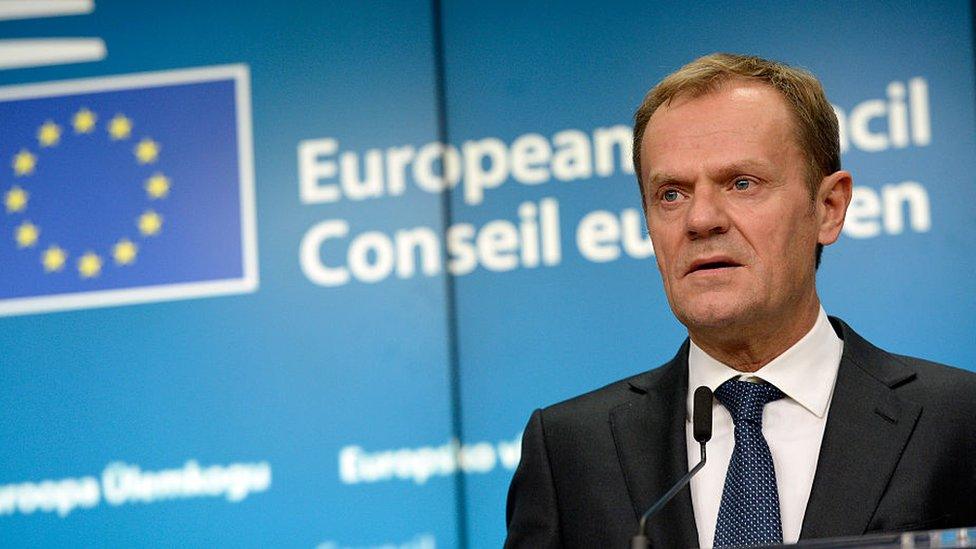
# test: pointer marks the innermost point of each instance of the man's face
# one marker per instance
(728, 208)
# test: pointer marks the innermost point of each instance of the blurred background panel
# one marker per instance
(286, 374)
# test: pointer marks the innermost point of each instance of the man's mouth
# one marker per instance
(712, 264)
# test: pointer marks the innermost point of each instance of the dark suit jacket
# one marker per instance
(898, 453)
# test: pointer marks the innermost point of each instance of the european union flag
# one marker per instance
(126, 189)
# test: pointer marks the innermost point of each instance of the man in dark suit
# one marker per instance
(817, 432)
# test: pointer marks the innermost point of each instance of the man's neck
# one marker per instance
(749, 348)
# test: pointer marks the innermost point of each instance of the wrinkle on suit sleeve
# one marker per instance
(531, 512)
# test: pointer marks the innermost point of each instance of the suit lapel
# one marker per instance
(867, 429)
(649, 435)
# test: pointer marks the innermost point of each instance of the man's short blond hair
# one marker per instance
(816, 123)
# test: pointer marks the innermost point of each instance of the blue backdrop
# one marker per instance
(366, 274)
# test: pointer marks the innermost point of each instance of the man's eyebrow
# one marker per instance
(661, 179)
(743, 166)
(739, 167)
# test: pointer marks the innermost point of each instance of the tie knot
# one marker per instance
(745, 400)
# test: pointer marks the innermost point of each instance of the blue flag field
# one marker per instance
(126, 189)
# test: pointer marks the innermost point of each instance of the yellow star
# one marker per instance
(24, 163)
(26, 234)
(49, 134)
(147, 151)
(53, 258)
(157, 186)
(84, 121)
(16, 200)
(89, 265)
(125, 252)
(119, 127)
(150, 223)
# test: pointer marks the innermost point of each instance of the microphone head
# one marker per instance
(702, 414)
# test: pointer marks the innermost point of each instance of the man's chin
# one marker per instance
(711, 316)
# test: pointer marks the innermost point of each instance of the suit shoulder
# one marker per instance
(597, 404)
(936, 368)
(941, 379)
(917, 378)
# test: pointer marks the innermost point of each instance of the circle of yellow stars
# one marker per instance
(24, 163)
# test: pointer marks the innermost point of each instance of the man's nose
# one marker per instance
(706, 214)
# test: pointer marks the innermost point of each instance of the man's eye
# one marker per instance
(670, 195)
(742, 184)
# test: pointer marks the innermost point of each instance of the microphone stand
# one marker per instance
(640, 540)
(702, 422)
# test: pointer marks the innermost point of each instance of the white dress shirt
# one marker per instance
(793, 426)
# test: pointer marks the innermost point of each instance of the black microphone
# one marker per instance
(702, 419)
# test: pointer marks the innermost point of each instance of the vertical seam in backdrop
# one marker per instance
(450, 293)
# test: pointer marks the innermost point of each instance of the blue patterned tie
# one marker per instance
(749, 512)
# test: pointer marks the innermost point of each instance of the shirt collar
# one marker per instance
(805, 372)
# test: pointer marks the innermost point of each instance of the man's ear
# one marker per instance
(833, 198)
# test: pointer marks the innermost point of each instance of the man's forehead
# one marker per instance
(744, 96)
(741, 107)
(745, 126)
